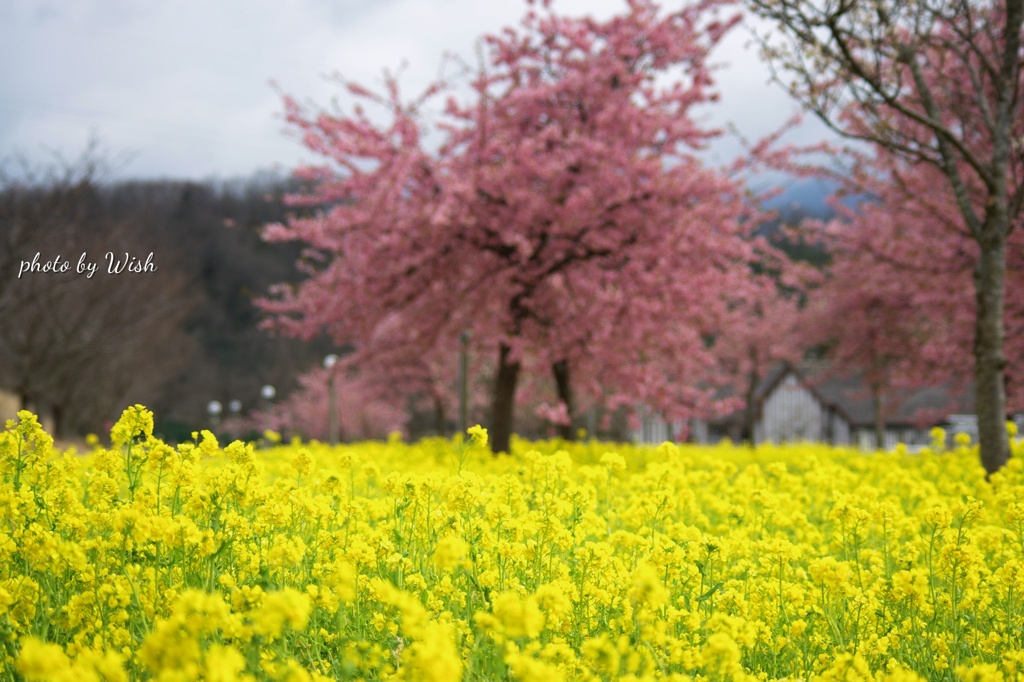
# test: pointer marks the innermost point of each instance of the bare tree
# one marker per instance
(927, 82)
(81, 345)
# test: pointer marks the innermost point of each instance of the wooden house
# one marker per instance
(809, 401)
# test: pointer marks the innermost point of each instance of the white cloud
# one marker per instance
(184, 85)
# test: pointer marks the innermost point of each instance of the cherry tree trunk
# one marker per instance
(989, 363)
(750, 409)
(879, 417)
(561, 371)
(440, 420)
(502, 409)
(57, 414)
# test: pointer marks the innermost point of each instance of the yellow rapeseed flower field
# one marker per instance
(437, 561)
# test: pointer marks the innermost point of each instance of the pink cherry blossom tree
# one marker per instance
(927, 83)
(900, 303)
(363, 409)
(895, 333)
(564, 218)
(763, 330)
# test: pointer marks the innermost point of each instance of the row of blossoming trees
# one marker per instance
(557, 210)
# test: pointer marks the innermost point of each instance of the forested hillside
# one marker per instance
(175, 336)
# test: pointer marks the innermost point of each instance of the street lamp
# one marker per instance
(214, 409)
(332, 407)
(267, 393)
(235, 407)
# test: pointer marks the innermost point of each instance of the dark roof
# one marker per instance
(848, 394)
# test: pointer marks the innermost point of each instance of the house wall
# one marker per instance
(864, 437)
(961, 423)
(653, 429)
(834, 429)
(791, 413)
(699, 431)
(840, 430)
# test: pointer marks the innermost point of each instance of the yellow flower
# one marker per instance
(529, 669)
(713, 562)
(108, 665)
(449, 552)
(136, 423)
(208, 444)
(911, 584)
(846, 668)
(287, 607)
(602, 655)
(647, 586)
(829, 572)
(981, 672)
(613, 461)
(222, 664)
(554, 603)
(939, 517)
(303, 463)
(433, 657)
(721, 654)
(797, 628)
(477, 435)
(39, 660)
(519, 617)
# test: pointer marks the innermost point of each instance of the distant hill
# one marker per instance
(807, 197)
(800, 200)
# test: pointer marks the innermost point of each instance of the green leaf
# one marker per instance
(707, 595)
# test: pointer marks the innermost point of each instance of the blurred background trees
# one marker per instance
(564, 218)
(560, 214)
(933, 89)
(78, 348)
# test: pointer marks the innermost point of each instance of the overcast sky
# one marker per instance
(183, 87)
